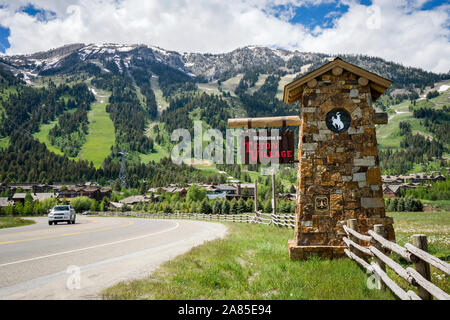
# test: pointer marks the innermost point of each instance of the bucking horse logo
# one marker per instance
(337, 122)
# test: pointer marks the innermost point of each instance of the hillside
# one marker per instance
(89, 102)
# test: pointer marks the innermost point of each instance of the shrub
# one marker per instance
(81, 203)
(48, 203)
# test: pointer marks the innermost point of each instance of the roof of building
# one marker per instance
(246, 185)
(116, 204)
(91, 189)
(393, 187)
(134, 199)
(225, 187)
(293, 90)
(19, 195)
(4, 202)
(40, 196)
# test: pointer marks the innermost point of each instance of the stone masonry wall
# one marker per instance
(341, 167)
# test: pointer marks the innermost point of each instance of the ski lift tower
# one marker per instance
(123, 178)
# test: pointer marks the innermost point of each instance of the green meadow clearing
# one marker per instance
(101, 136)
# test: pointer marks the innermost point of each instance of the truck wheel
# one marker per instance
(50, 223)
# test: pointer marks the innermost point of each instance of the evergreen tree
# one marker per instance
(216, 207)
(205, 208)
(233, 207)
(268, 206)
(241, 206)
(225, 207)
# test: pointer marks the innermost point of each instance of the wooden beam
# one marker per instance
(337, 71)
(264, 122)
(377, 87)
(363, 81)
(311, 83)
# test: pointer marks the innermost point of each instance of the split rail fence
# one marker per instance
(375, 257)
(279, 220)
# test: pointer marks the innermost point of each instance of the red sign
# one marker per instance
(262, 149)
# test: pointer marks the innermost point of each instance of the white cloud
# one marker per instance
(401, 32)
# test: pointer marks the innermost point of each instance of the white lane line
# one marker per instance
(92, 247)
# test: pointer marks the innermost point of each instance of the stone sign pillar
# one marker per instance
(339, 176)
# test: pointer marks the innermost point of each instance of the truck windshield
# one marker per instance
(61, 208)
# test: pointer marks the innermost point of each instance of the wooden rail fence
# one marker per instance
(279, 220)
(372, 252)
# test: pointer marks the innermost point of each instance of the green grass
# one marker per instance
(442, 99)
(231, 84)
(388, 136)
(101, 135)
(283, 82)
(160, 100)
(209, 88)
(42, 136)
(436, 226)
(157, 155)
(252, 262)
(4, 143)
(10, 222)
(160, 151)
(258, 84)
(439, 204)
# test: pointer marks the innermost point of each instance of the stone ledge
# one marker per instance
(297, 252)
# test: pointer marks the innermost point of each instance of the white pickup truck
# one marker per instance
(61, 213)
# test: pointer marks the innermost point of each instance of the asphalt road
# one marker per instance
(77, 261)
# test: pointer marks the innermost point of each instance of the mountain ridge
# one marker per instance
(206, 67)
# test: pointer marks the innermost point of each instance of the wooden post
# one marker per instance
(255, 195)
(264, 122)
(379, 229)
(353, 224)
(420, 241)
(274, 197)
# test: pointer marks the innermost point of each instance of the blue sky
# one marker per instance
(412, 32)
(323, 15)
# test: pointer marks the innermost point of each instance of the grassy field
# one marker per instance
(284, 81)
(160, 100)
(439, 204)
(252, 262)
(42, 136)
(388, 135)
(10, 222)
(258, 84)
(160, 151)
(101, 135)
(436, 226)
(157, 155)
(231, 84)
